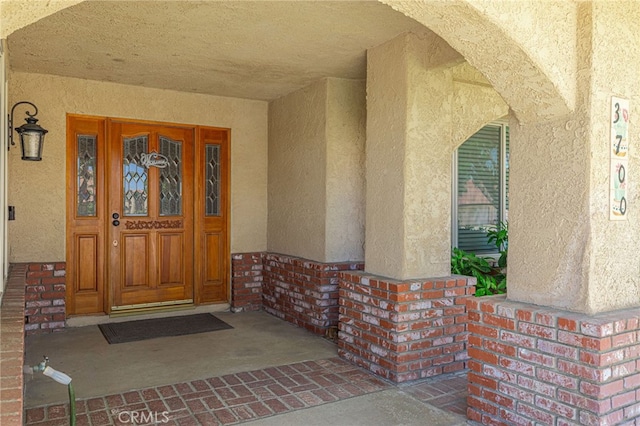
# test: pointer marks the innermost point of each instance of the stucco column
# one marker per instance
(316, 172)
(408, 157)
(564, 250)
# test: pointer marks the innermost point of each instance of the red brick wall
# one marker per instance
(533, 365)
(246, 281)
(44, 297)
(404, 330)
(303, 292)
(12, 348)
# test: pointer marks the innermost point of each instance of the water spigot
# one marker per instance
(36, 368)
(42, 365)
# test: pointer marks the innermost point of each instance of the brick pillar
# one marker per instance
(404, 330)
(45, 297)
(246, 281)
(535, 365)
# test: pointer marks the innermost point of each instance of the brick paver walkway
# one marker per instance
(447, 392)
(241, 397)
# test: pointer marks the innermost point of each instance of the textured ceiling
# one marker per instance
(256, 50)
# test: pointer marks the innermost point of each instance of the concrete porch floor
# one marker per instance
(264, 371)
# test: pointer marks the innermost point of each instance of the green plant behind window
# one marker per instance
(500, 238)
(490, 277)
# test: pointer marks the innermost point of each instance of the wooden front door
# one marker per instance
(147, 215)
(151, 212)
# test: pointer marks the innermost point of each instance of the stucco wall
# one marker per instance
(428, 155)
(345, 186)
(17, 14)
(316, 172)
(37, 189)
(615, 268)
(525, 48)
(423, 101)
(4, 244)
(387, 79)
(545, 31)
(297, 172)
(564, 251)
(475, 103)
(549, 219)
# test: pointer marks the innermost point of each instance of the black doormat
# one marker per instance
(132, 331)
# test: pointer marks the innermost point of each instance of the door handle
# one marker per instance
(115, 217)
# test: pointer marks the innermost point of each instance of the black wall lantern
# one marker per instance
(31, 134)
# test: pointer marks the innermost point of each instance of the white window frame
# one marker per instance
(502, 214)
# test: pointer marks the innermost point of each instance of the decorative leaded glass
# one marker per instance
(135, 178)
(86, 173)
(212, 180)
(171, 178)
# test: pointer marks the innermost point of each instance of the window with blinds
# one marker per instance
(481, 187)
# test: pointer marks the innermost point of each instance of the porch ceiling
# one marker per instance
(257, 50)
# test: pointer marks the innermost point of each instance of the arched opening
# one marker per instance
(493, 40)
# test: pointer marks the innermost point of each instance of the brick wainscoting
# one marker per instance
(44, 299)
(300, 291)
(404, 330)
(12, 348)
(303, 292)
(534, 365)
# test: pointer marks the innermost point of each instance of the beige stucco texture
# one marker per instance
(564, 251)
(316, 171)
(38, 188)
(246, 49)
(423, 100)
(526, 49)
(16, 14)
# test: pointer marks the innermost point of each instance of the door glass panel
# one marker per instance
(86, 174)
(171, 178)
(212, 190)
(135, 180)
